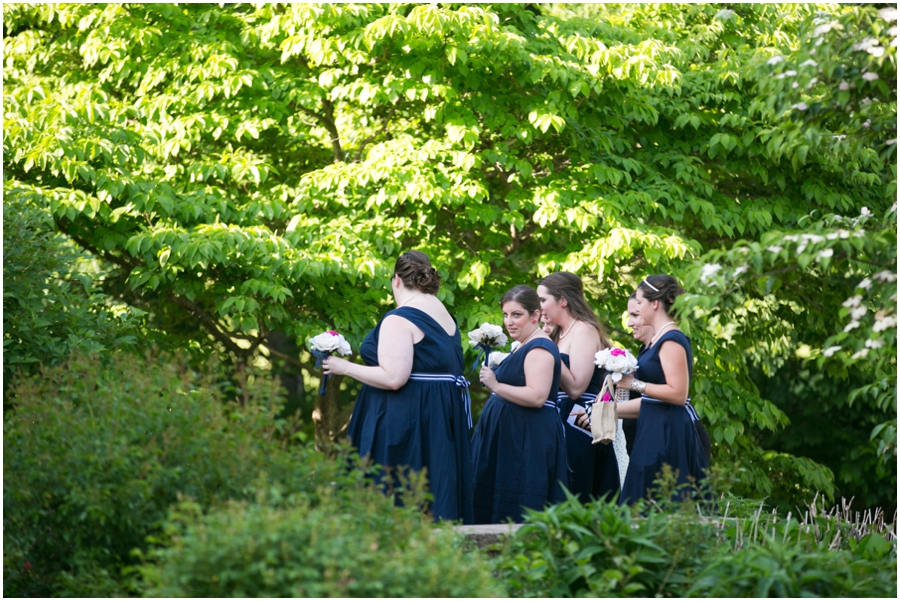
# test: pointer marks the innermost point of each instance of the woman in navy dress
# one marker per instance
(643, 334)
(666, 433)
(518, 446)
(413, 411)
(594, 471)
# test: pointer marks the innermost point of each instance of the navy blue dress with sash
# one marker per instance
(594, 471)
(519, 452)
(666, 433)
(426, 422)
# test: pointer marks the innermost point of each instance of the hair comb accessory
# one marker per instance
(651, 286)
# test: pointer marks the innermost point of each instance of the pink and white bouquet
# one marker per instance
(323, 346)
(604, 419)
(617, 362)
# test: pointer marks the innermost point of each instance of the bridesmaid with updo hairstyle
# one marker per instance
(518, 446)
(666, 433)
(594, 470)
(414, 412)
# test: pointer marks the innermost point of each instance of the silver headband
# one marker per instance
(651, 286)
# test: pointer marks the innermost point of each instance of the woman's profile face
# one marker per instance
(551, 309)
(517, 320)
(635, 321)
(644, 307)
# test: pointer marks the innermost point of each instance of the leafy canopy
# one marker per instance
(243, 171)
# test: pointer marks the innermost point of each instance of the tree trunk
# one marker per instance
(330, 419)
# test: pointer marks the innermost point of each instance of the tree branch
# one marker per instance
(105, 255)
(326, 120)
(209, 323)
(370, 139)
(292, 360)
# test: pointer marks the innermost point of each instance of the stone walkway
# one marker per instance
(487, 534)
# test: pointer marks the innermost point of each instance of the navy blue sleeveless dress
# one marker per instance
(519, 452)
(665, 432)
(423, 424)
(594, 471)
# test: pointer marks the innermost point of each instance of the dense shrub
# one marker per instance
(96, 452)
(602, 549)
(361, 546)
(671, 550)
(784, 570)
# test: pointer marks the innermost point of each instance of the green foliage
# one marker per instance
(243, 171)
(601, 549)
(798, 390)
(52, 302)
(834, 268)
(358, 546)
(94, 455)
(778, 302)
(777, 570)
(840, 83)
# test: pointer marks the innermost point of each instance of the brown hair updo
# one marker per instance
(416, 272)
(667, 290)
(525, 296)
(563, 284)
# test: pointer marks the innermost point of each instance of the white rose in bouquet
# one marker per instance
(616, 365)
(330, 342)
(601, 357)
(496, 359)
(488, 335)
(327, 344)
(616, 361)
(486, 339)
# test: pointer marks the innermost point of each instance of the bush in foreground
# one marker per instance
(601, 549)
(362, 546)
(95, 453)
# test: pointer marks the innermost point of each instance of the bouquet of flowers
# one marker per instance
(486, 338)
(496, 359)
(604, 421)
(617, 362)
(323, 346)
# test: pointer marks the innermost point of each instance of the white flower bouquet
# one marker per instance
(604, 421)
(486, 338)
(496, 359)
(323, 346)
(616, 361)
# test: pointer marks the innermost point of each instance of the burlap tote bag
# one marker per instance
(604, 416)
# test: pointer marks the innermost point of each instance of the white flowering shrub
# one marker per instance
(838, 279)
(842, 81)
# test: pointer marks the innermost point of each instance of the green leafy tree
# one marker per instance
(53, 303)
(251, 173)
(826, 288)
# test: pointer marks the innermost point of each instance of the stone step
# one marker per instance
(484, 535)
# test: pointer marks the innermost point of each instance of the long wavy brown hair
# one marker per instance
(563, 284)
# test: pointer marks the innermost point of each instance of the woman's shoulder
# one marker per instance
(676, 336)
(398, 318)
(584, 337)
(542, 343)
(425, 320)
(586, 331)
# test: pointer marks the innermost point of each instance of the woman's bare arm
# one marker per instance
(395, 356)
(538, 379)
